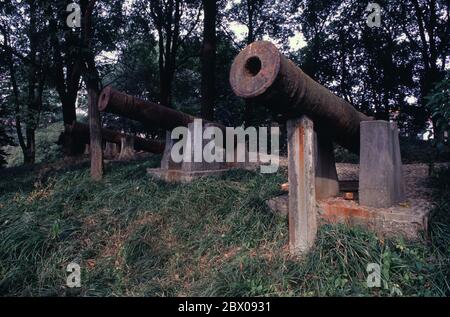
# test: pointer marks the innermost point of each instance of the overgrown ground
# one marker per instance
(134, 236)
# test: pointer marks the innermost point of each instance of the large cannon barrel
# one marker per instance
(261, 73)
(149, 113)
(81, 132)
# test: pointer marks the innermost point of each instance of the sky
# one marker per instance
(296, 42)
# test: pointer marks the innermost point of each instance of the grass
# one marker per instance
(47, 149)
(136, 236)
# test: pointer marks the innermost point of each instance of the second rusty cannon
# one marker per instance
(148, 113)
(261, 73)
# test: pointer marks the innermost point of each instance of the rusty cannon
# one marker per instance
(81, 132)
(315, 118)
(262, 74)
(155, 115)
(148, 113)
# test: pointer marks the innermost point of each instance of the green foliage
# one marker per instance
(343, 155)
(412, 151)
(439, 104)
(5, 140)
(47, 150)
(137, 236)
(374, 68)
(420, 151)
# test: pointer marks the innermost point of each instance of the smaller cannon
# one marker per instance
(81, 132)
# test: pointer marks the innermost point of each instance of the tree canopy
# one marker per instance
(178, 53)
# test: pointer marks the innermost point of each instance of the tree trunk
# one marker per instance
(96, 149)
(70, 147)
(69, 111)
(208, 59)
(165, 86)
(92, 79)
(29, 153)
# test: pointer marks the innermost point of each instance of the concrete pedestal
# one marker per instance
(126, 148)
(194, 167)
(197, 162)
(327, 184)
(381, 182)
(111, 150)
(302, 195)
(166, 161)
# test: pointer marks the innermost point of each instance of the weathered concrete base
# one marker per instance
(111, 150)
(404, 220)
(193, 167)
(166, 162)
(126, 148)
(182, 176)
(381, 182)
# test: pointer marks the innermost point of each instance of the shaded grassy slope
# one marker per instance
(134, 236)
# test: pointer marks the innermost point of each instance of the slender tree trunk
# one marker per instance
(209, 59)
(29, 153)
(69, 111)
(18, 123)
(31, 120)
(165, 87)
(92, 79)
(96, 150)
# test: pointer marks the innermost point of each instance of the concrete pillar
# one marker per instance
(111, 150)
(126, 148)
(327, 183)
(381, 182)
(302, 195)
(166, 161)
(196, 148)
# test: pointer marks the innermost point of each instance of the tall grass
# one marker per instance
(137, 236)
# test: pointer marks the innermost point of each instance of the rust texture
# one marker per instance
(149, 113)
(81, 132)
(262, 74)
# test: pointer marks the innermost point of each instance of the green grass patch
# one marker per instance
(136, 236)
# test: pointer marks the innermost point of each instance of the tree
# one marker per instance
(261, 18)
(93, 84)
(170, 18)
(5, 139)
(208, 58)
(26, 57)
(377, 69)
(67, 55)
(427, 31)
(66, 61)
(438, 102)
